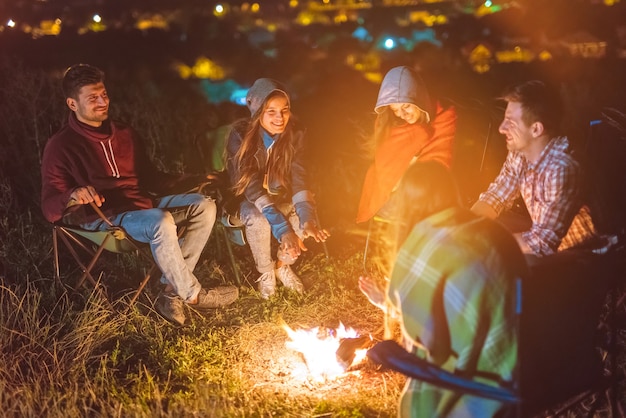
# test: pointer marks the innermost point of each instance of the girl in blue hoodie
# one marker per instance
(265, 160)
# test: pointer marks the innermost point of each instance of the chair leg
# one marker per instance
(86, 269)
(367, 244)
(231, 256)
(153, 268)
(55, 249)
(143, 284)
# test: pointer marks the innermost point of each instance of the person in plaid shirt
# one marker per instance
(541, 169)
(452, 290)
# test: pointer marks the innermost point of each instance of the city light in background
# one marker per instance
(378, 27)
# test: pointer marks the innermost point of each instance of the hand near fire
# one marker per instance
(309, 229)
(375, 294)
(292, 245)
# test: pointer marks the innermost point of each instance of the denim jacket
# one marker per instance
(265, 198)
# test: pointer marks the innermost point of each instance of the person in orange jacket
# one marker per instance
(410, 126)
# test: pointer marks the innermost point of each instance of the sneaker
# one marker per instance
(267, 284)
(170, 307)
(289, 279)
(216, 297)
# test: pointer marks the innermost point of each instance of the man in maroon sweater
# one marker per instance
(92, 159)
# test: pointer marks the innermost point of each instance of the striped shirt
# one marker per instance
(453, 288)
(552, 193)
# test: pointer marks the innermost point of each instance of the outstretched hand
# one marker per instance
(375, 294)
(292, 245)
(309, 229)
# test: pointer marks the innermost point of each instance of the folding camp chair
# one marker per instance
(559, 365)
(114, 240)
(232, 232)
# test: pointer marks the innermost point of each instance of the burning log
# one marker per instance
(348, 347)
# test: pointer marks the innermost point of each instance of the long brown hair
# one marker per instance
(278, 165)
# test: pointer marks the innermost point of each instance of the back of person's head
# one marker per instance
(80, 75)
(426, 188)
(540, 103)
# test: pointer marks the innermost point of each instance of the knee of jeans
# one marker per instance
(253, 219)
(206, 208)
(164, 224)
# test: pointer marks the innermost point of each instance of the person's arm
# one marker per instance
(254, 192)
(57, 183)
(481, 208)
(503, 191)
(441, 142)
(554, 214)
(303, 199)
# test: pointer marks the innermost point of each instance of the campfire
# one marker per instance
(328, 353)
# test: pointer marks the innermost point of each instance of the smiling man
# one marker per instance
(540, 168)
(95, 160)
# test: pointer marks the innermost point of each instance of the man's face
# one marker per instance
(518, 134)
(92, 104)
(276, 115)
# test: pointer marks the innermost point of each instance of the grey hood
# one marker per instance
(259, 92)
(403, 85)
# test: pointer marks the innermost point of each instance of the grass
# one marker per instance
(66, 354)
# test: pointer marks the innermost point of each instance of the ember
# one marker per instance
(328, 353)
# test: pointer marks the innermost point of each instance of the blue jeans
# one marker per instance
(259, 232)
(158, 227)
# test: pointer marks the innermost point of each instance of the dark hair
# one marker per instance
(426, 188)
(79, 75)
(540, 103)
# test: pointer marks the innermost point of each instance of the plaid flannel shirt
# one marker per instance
(453, 288)
(551, 191)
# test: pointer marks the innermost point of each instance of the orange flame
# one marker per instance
(319, 349)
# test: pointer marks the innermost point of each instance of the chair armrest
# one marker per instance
(391, 355)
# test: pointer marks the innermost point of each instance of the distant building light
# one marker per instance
(11, 23)
(488, 3)
(361, 33)
(255, 7)
(293, 3)
(57, 21)
(239, 96)
(389, 43)
(96, 18)
(220, 10)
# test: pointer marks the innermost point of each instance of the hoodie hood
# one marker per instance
(403, 85)
(259, 92)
